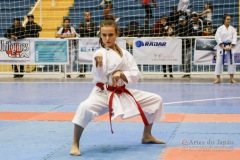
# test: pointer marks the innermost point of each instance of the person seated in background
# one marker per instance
(132, 30)
(87, 28)
(32, 28)
(67, 31)
(206, 15)
(15, 32)
(174, 17)
(148, 9)
(108, 7)
(183, 6)
(196, 25)
(158, 28)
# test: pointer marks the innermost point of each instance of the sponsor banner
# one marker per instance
(88, 46)
(205, 52)
(33, 51)
(51, 51)
(157, 51)
(15, 51)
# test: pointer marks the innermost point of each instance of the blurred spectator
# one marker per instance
(108, 7)
(196, 25)
(87, 28)
(208, 31)
(158, 28)
(207, 14)
(168, 32)
(146, 5)
(16, 32)
(132, 29)
(183, 6)
(68, 31)
(174, 17)
(32, 28)
(146, 31)
(184, 30)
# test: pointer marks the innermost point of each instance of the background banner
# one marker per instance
(51, 52)
(157, 51)
(88, 46)
(205, 52)
(33, 51)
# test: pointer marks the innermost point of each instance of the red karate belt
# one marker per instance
(119, 90)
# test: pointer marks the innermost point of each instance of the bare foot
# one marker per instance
(75, 151)
(233, 81)
(151, 139)
(217, 81)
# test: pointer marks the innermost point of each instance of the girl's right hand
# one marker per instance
(98, 58)
(228, 48)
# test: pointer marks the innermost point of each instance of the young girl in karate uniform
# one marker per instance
(226, 37)
(113, 69)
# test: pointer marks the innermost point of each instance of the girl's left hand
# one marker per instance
(115, 77)
(228, 48)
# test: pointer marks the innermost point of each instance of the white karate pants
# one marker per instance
(97, 104)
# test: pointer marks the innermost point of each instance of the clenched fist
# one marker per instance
(98, 59)
(115, 77)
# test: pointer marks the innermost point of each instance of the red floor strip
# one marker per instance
(201, 154)
(169, 117)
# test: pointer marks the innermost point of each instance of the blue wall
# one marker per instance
(129, 10)
(10, 9)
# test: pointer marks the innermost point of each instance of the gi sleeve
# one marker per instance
(133, 73)
(99, 73)
(234, 40)
(218, 36)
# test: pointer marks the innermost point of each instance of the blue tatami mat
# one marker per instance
(52, 140)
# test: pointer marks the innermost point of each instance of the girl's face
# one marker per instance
(108, 35)
(227, 20)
